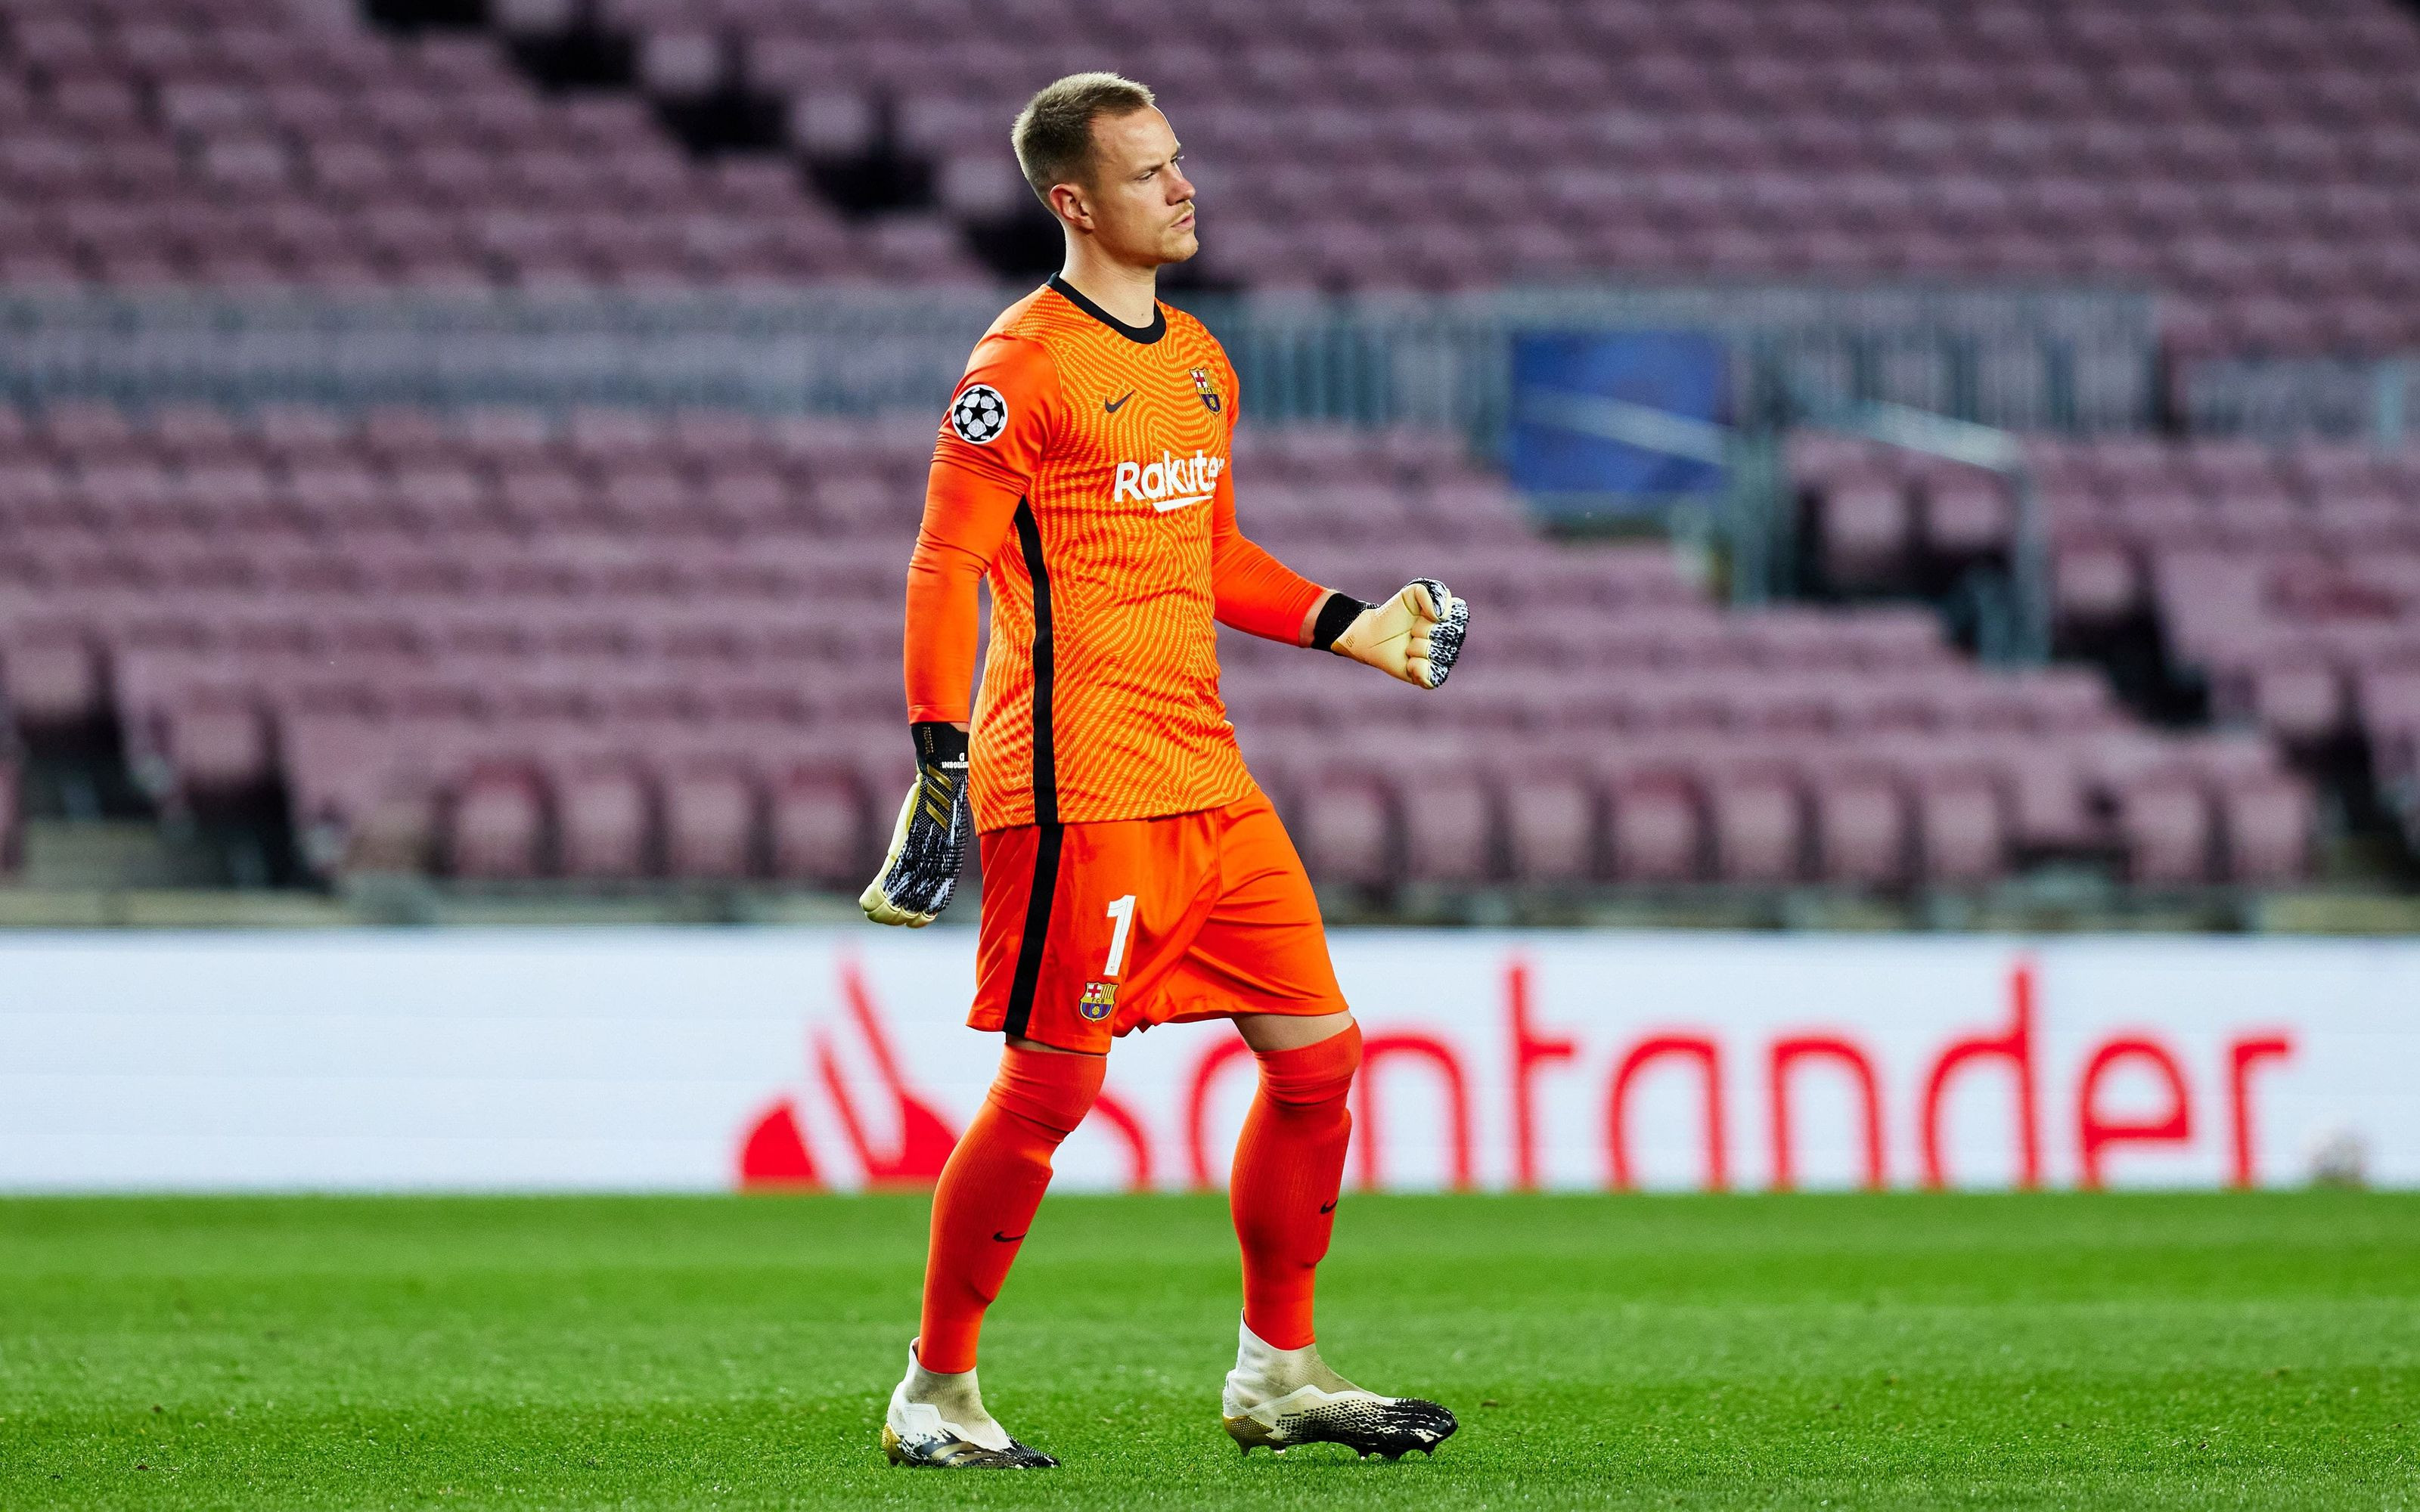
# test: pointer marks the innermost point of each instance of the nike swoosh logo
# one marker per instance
(1008, 1239)
(1112, 405)
(1164, 505)
(1327, 1207)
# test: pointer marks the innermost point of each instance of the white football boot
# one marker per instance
(939, 1421)
(1282, 1397)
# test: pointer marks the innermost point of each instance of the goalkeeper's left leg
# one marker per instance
(1289, 1169)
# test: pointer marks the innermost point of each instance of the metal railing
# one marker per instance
(2078, 360)
(2009, 603)
(2068, 360)
(2281, 398)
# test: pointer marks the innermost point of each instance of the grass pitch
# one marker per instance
(2084, 1352)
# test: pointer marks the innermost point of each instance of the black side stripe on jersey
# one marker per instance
(1046, 784)
(1045, 755)
(1037, 928)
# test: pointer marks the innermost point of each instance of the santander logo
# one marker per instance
(774, 1153)
(1990, 1084)
(1170, 483)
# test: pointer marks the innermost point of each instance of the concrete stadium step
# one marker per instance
(108, 853)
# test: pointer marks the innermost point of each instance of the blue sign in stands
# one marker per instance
(1617, 422)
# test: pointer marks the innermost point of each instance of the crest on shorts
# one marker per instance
(1201, 386)
(1099, 1002)
(979, 414)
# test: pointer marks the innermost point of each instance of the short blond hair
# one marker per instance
(1053, 134)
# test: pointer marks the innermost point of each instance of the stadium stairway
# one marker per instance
(2272, 590)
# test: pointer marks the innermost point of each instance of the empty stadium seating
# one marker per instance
(615, 646)
(2258, 163)
(622, 644)
(235, 144)
(2287, 577)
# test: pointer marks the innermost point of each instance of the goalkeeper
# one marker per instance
(1133, 872)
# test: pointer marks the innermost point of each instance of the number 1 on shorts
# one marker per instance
(1123, 911)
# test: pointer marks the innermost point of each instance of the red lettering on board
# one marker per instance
(1859, 1065)
(2095, 1131)
(1530, 1051)
(2241, 1058)
(1644, 1052)
(1197, 1105)
(2016, 1048)
(1138, 1138)
(1367, 1135)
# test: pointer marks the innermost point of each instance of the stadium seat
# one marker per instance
(1658, 826)
(1449, 821)
(2271, 825)
(710, 820)
(1345, 826)
(497, 829)
(52, 671)
(1553, 823)
(1862, 829)
(821, 832)
(606, 819)
(2165, 823)
(1960, 826)
(1757, 816)
(222, 743)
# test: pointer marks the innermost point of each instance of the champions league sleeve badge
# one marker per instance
(980, 414)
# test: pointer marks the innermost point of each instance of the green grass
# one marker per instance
(2085, 1352)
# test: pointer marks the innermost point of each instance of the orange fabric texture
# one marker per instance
(1147, 921)
(1091, 483)
(1289, 1170)
(989, 1191)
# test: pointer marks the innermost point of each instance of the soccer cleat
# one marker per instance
(1283, 1398)
(938, 1422)
(1416, 635)
(929, 842)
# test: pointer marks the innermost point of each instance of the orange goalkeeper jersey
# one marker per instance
(1082, 471)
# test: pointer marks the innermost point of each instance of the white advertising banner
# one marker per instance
(698, 1059)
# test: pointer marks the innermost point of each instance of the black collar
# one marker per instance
(1141, 335)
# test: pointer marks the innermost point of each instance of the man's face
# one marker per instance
(1139, 201)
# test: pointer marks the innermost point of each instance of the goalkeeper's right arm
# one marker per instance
(970, 502)
(966, 517)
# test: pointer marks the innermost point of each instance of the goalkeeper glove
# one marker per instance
(1415, 635)
(930, 839)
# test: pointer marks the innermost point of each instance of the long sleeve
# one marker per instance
(990, 442)
(967, 516)
(1255, 591)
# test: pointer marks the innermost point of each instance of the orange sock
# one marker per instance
(989, 1190)
(1289, 1168)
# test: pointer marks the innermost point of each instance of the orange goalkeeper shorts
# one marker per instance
(1091, 930)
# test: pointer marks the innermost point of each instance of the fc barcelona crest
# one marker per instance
(1201, 386)
(1099, 1002)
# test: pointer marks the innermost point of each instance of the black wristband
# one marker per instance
(1335, 617)
(938, 742)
